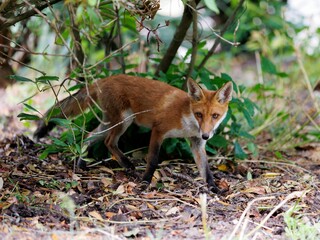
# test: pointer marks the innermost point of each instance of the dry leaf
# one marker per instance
(223, 184)
(110, 214)
(149, 205)
(108, 170)
(120, 190)
(106, 182)
(96, 215)
(172, 211)
(75, 177)
(256, 190)
(270, 175)
(222, 167)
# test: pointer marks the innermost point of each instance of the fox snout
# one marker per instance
(205, 136)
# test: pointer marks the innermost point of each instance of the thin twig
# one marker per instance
(121, 122)
(185, 177)
(111, 54)
(54, 27)
(306, 77)
(280, 163)
(293, 195)
(223, 30)
(42, 5)
(23, 49)
(232, 235)
(23, 64)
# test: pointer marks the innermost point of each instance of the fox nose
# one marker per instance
(205, 136)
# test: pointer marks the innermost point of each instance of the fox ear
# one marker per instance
(224, 94)
(194, 90)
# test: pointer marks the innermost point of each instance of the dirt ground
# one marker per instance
(47, 199)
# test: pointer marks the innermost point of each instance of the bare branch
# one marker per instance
(194, 40)
(218, 40)
(177, 40)
(11, 21)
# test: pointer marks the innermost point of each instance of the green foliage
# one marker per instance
(57, 184)
(298, 228)
(211, 4)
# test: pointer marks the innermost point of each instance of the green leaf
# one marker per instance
(171, 145)
(58, 142)
(78, 148)
(49, 150)
(218, 141)
(20, 79)
(245, 135)
(205, 78)
(268, 66)
(92, 3)
(211, 4)
(26, 116)
(46, 79)
(238, 151)
(249, 105)
(226, 77)
(76, 87)
(210, 149)
(248, 117)
(253, 149)
(54, 112)
(282, 74)
(278, 155)
(61, 122)
(30, 107)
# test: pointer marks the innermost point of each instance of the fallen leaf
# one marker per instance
(105, 169)
(256, 190)
(172, 211)
(222, 167)
(110, 214)
(75, 177)
(120, 190)
(150, 206)
(223, 184)
(96, 215)
(106, 182)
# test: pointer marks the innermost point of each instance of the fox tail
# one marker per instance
(69, 107)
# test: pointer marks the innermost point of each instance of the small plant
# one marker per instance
(298, 227)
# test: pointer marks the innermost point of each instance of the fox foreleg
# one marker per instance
(200, 157)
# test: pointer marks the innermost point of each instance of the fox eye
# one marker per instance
(198, 114)
(215, 115)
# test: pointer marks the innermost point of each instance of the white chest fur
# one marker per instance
(190, 128)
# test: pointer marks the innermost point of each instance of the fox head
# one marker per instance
(209, 107)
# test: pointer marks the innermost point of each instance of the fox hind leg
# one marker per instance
(114, 134)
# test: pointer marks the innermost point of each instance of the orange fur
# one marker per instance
(166, 110)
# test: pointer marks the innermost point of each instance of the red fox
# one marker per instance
(168, 111)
